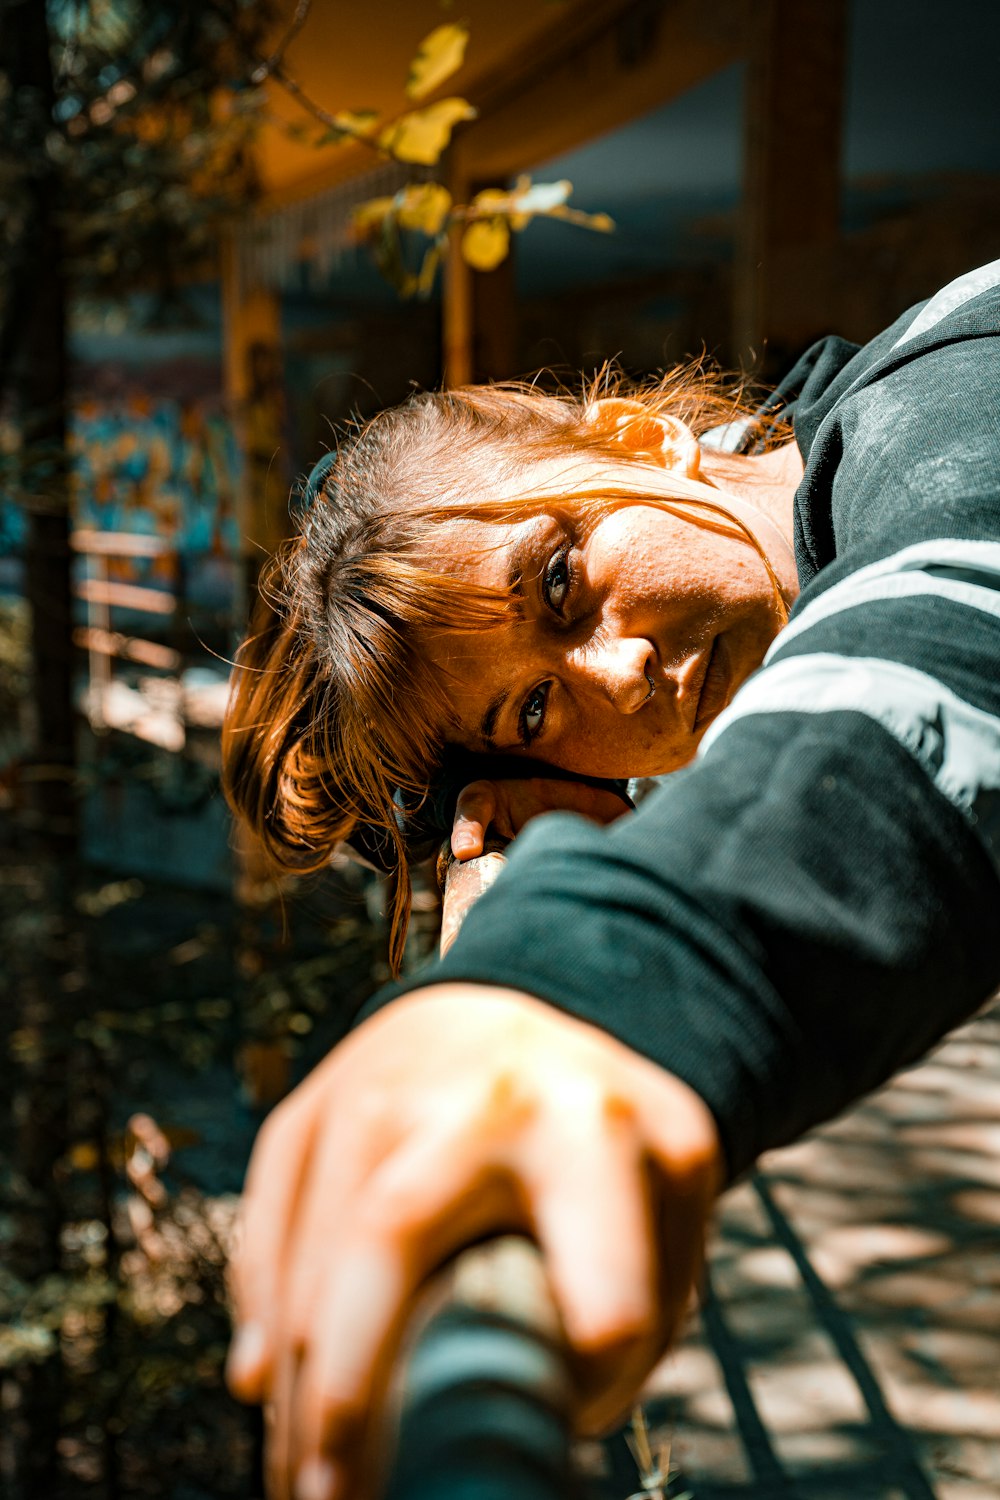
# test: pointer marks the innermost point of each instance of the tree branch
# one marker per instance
(268, 66)
(298, 93)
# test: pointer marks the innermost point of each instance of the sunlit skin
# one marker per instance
(637, 631)
(605, 675)
(465, 1110)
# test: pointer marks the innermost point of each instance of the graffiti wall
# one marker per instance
(161, 466)
(165, 468)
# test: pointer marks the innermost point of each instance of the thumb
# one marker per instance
(474, 812)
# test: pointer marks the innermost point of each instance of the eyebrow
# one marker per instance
(488, 723)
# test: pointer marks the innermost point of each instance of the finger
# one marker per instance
(274, 1185)
(591, 1212)
(474, 811)
(278, 1418)
(420, 1209)
(364, 1131)
(685, 1154)
(595, 1227)
(607, 807)
(341, 1162)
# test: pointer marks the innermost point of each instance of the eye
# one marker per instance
(532, 714)
(557, 581)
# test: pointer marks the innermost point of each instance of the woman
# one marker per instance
(633, 1013)
(471, 529)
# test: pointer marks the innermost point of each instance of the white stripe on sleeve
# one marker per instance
(956, 744)
(903, 575)
(949, 298)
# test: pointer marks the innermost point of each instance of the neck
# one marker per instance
(767, 481)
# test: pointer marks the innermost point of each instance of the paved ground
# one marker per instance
(849, 1344)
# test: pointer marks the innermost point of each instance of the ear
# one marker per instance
(661, 438)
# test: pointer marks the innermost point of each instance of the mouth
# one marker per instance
(714, 693)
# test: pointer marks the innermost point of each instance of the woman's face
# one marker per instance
(637, 628)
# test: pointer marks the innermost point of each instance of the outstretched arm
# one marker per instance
(458, 1113)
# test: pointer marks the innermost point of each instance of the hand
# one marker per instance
(457, 1112)
(509, 805)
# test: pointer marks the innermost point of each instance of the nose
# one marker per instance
(619, 667)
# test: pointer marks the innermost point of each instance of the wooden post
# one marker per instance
(456, 307)
(479, 309)
(785, 278)
(495, 350)
(251, 319)
(462, 884)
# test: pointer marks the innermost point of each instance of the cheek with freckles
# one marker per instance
(606, 744)
(661, 573)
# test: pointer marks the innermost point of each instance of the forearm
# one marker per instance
(794, 918)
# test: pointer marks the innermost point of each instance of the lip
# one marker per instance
(713, 694)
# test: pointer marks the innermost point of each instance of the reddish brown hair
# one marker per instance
(333, 709)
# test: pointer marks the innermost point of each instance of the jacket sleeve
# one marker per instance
(815, 900)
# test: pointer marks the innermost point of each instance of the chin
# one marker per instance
(662, 766)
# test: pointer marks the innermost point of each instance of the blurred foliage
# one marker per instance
(147, 137)
(182, 1001)
(439, 55)
(14, 663)
(423, 212)
(422, 215)
(150, 139)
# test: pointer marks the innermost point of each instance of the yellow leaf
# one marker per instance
(424, 206)
(493, 201)
(439, 55)
(359, 120)
(349, 125)
(370, 215)
(428, 270)
(485, 243)
(526, 200)
(423, 134)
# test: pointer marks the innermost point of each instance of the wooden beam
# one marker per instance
(251, 330)
(600, 67)
(128, 648)
(119, 544)
(786, 270)
(479, 308)
(126, 596)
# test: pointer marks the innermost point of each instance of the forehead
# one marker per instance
(491, 554)
(479, 549)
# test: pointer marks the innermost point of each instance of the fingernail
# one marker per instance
(316, 1480)
(463, 843)
(247, 1352)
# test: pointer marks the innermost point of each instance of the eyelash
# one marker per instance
(527, 734)
(560, 558)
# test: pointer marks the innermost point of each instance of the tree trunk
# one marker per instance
(36, 375)
(33, 340)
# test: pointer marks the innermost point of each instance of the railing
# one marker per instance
(486, 1392)
(484, 1399)
(101, 594)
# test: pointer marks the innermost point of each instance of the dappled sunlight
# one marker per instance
(849, 1337)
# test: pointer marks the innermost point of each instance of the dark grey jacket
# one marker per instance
(815, 900)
